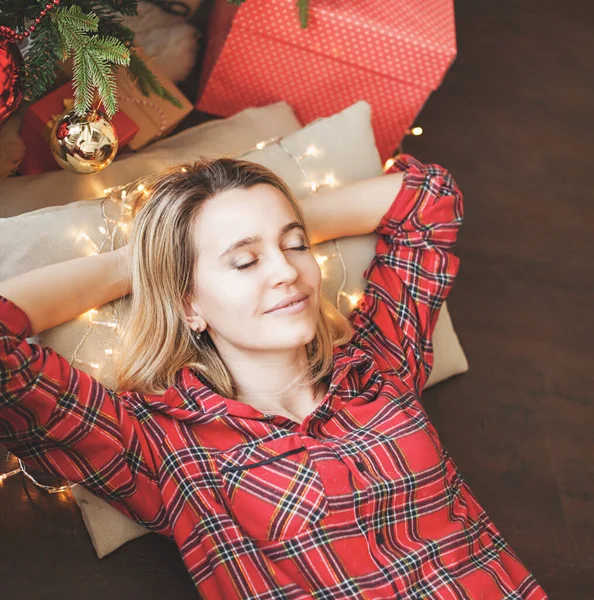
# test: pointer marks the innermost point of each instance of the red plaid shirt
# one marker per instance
(360, 500)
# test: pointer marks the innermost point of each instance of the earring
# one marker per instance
(195, 337)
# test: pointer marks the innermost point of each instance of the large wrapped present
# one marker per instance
(391, 54)
(37, 124)
(155, 116)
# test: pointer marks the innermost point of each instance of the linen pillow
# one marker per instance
(220, 137)
(332, 151)
(346, 150)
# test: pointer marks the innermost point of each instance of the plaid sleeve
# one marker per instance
(412, 271)
(63, 422)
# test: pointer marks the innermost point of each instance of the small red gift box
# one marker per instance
(38, 121)
(391, 54)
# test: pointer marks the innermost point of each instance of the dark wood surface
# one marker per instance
(513, 121)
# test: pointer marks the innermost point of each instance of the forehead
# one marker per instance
(236, 214)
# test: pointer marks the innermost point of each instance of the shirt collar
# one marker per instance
(190, 399)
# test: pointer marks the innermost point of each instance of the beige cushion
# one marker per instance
(347, 150)
(220, 137)
(109, 529)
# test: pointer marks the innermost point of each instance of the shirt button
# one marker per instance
(360, 466)
(379, 538)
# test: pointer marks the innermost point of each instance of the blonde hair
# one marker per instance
(156, 341)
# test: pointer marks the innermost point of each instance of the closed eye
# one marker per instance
(248, 265)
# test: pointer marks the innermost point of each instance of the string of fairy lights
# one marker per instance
(110, 227)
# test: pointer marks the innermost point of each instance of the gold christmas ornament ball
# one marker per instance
(83, 144)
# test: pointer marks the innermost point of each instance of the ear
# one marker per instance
(193, 315)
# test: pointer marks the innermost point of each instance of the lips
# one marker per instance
(288, 300)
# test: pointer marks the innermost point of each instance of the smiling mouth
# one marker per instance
(293, 303)
(291, 308)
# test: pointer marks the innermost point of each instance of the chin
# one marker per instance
(298, 338)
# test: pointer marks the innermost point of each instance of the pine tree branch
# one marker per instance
(110, 24)
(146, 81)
(126, 7)
(93, 33)
(93, 57)
(81, 82)
(39, 63)
(109, 49)
(72, 25)
(303, 8)
(104, 80)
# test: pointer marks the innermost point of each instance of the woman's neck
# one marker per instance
(275, 383)
(302, 407)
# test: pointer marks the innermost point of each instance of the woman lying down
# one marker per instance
(281, 445)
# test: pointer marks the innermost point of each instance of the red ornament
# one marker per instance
(10, 69)
(10, 65)
(62, 131)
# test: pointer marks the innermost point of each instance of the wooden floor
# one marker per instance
(514, 122)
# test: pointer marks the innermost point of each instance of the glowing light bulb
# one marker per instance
(83, 236)
(314, 186)
(4, 476)
(123, 195)
(90, 314)
(87, 363)
(260, 145)
(330, 179)
(389, 163)
(416, 131)
(140, 187)
(312, 151)
(107, 190)
(184, 170)
(353, 298)
(102, 230)
(321, 258)
(108, 351)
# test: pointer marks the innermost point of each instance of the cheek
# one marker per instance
(227, 297)
(314, 273)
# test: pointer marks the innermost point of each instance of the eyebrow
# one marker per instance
(255, 239)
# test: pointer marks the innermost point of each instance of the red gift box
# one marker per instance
(37, 124)
(391, 54)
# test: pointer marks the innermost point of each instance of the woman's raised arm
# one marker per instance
(64, 422)
(416, 209)
(60, 292)
(353, 209)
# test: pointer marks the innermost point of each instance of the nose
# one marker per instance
(281, 269)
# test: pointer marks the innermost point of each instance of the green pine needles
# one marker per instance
(91, 34)
(92, 57)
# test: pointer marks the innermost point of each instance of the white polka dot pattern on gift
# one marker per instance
(390, 53)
